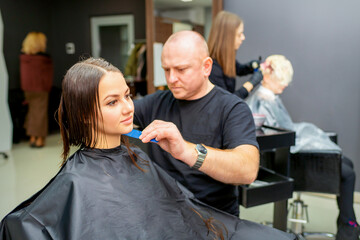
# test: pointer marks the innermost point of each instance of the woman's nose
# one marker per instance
(128, 106)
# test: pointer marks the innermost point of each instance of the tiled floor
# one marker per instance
(27, 170)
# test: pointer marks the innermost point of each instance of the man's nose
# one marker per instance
(172, 77)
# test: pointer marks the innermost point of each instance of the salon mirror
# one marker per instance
(165, 17)
(176, 15)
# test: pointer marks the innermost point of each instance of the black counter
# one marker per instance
(272, 185)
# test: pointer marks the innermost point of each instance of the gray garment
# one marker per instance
(308, 136)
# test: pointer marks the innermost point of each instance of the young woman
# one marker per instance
(278, 74)
(226, 36)
(107, 190)
(36, 74)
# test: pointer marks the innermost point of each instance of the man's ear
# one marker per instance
(207, 66)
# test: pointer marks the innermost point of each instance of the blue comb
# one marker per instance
(136, 134)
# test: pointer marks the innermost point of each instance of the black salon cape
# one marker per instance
(100, 194)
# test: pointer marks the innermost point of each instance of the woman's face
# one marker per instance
(270, 81)
(276, 86)
(239, 36)
(277, 72)
(116, 107)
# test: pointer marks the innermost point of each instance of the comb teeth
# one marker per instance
(136, 134)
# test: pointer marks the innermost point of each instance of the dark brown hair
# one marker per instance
(77, 112)
(221, 41)
(214, 226)
(77, 117)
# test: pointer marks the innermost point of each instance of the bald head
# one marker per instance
(187, 65)
(189, 42)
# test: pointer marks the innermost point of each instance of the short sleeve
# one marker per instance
(239, 128)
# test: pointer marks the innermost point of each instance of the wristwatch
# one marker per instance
(202, 152)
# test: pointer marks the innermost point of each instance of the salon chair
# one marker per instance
(317, 172)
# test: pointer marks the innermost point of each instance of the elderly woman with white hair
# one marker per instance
(278, 73)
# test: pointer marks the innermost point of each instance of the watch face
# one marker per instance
(201, 148)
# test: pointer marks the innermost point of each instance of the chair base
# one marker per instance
(318, 235)
(299, 216)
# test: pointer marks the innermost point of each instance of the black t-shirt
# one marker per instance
(219, 119)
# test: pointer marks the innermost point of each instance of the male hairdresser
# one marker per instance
(206, 136)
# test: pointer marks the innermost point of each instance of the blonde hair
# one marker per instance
(34, 42)
(221, 41)
(280, 69)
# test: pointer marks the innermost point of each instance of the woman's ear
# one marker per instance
(207, 66)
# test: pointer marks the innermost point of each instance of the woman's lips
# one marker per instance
(128, 120)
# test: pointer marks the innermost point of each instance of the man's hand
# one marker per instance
(170, 140)
(232, 166)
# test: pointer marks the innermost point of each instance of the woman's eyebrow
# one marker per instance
(127, 90)
(111, 95)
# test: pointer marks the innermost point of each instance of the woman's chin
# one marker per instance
(128, 129)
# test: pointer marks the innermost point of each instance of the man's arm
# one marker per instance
(232, 166)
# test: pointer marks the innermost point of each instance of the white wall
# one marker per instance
(5, 119)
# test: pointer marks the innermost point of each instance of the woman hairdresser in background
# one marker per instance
(226, 36)
(36, 74)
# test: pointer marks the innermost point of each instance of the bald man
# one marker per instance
(206, 136)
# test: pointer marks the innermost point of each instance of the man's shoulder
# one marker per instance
(158, 95)
(226, 95)
(157, 98)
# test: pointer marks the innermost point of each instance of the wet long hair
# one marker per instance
(221, 41)
(78, 113)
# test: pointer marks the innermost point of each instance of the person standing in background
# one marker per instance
(225, 38)
(36, 75)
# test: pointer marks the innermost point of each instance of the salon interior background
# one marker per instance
(321, 38)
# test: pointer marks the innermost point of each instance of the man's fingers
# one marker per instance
(157, 129)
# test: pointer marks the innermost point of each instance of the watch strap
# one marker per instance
(200, 159)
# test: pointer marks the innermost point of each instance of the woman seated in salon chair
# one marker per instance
(277, 74)
(108, 190)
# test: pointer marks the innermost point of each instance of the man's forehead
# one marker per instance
(186, 50)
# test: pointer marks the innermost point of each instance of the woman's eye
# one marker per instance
(128, 96)
(112, 103)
